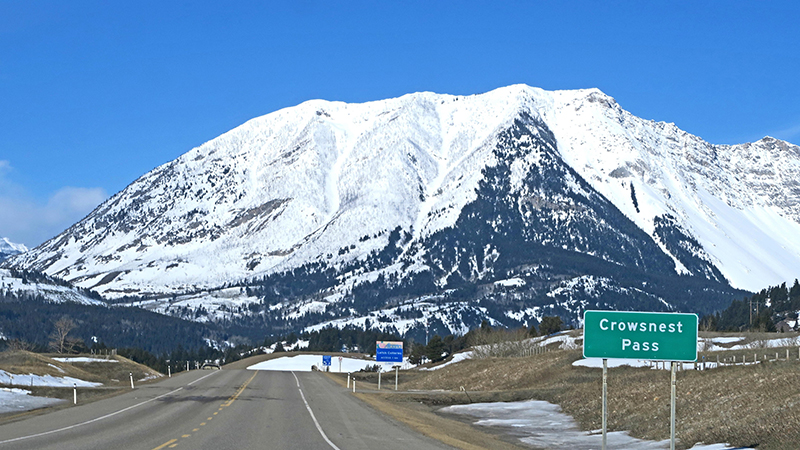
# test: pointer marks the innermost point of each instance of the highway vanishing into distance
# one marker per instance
(221, 409)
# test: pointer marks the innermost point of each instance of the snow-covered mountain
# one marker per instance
(518, 201)
(8, 248)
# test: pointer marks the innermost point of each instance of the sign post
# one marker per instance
(640, 335)
(340, 364)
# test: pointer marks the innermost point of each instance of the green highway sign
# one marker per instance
(640, 335)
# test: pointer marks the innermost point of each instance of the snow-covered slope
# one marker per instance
(426, 194)
(741, 203)
(8, 248)
(36, 285)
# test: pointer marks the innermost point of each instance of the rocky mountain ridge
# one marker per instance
(330, 210)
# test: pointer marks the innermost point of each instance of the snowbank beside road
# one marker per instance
(542, 424)
(16, 400)
(13, 379)
(303, 363)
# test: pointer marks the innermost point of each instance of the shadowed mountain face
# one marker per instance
(442, 210)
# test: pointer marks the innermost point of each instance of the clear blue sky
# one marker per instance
(94, 94)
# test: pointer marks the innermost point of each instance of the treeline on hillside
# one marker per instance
(32, 319)
(435, 349)
(349, 339)
(768, 311)
(33, 276)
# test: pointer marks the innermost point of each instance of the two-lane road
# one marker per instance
(228, 409)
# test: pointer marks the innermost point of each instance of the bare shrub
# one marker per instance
(58, 338)
(499, 343)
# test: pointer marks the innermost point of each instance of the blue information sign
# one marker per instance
(326, 360)
(389, 351)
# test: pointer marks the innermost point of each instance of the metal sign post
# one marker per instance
(672, 407)
(605, 403)
(396, 373)
(647, 336)
(340, 364)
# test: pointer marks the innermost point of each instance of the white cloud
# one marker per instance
(30, 222)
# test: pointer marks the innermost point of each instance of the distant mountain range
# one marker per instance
(435, 212)
(8, 249)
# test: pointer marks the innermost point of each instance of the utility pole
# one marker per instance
(757, 310)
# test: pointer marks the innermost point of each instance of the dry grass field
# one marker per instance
(115, 377)
(754, 405)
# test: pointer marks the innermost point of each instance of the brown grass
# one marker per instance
(114, 376)
(756, 405)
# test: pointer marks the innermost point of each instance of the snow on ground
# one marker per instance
(84, 359)
(16, 400)
(56, 367)
(51, 292)
(726, 340)
(303, 363)
(458, 357)
(722, 343)
(13, 379)
(542, 424)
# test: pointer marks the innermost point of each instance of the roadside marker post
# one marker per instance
(74, 393)
(169, 372)
(348, 380)
(647, 336)
(131, 374)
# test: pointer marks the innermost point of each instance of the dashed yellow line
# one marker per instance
(165, 444)
(172, 443)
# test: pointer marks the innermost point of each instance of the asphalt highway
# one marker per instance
(226, 409)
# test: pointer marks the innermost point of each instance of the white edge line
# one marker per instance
(319, 428)
(202, 378)
(103, 417)
(90, 421)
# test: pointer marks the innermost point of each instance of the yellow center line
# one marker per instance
(165, 444)
(202, 424)
(196, 429)
(172, 443)
(241, 389)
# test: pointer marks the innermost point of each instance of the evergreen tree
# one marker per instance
(550, 325)
(434, 351)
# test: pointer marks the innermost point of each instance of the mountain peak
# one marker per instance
(8, 248)
(332, 184)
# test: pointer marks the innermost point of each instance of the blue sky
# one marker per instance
(94, 94)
